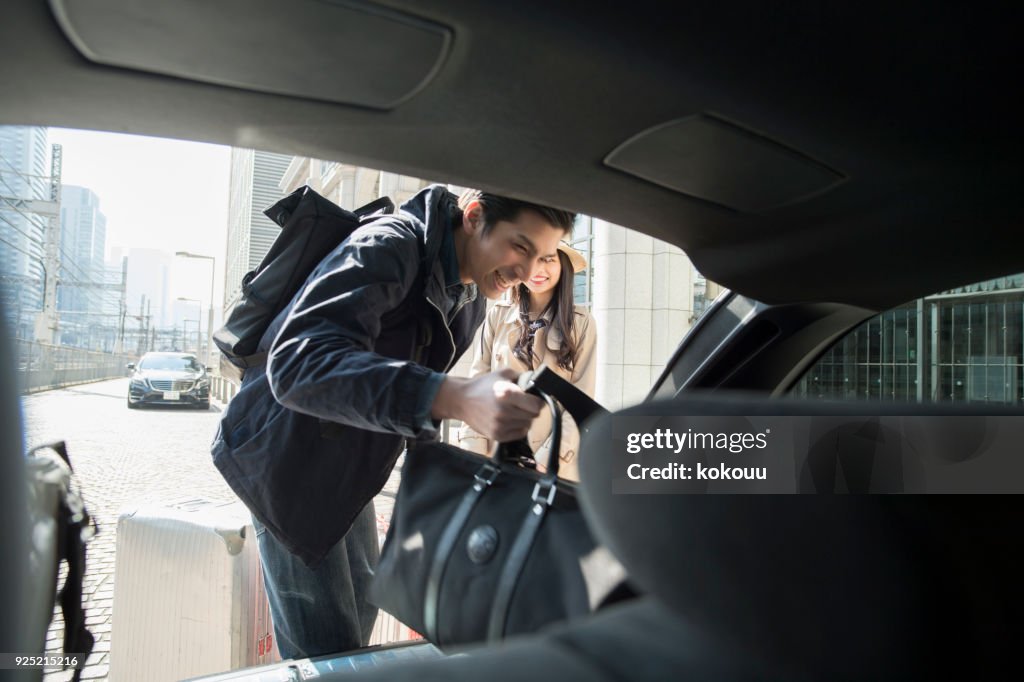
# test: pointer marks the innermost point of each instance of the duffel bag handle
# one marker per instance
(544, 381)
(519, 451)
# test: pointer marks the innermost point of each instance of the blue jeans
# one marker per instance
(322, 610)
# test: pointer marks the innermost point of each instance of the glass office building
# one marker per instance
(963, 345)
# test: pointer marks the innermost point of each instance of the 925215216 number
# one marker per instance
(18, 661)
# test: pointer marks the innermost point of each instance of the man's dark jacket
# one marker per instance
(308, 442)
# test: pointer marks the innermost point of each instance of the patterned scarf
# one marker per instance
(531, 327)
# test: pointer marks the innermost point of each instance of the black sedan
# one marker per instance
(169, 379)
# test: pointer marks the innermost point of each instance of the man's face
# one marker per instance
(510, 253)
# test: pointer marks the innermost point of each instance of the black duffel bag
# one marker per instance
(483, 548)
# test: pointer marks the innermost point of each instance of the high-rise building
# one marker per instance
(83, 234)
(255, 179)
(24, 176)
(147, 289)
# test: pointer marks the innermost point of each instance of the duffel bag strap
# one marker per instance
(543, 496)
(446, 543)
(519, 452)
(578, 404)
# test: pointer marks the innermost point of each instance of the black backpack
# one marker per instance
(311, 227)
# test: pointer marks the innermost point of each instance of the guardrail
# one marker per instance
(222, 389)
(43, 366)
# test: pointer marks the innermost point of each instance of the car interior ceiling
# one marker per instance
(837, 143)
(899, 162)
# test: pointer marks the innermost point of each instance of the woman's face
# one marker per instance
(545, 274)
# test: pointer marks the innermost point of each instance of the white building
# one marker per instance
(643, 303)
(81, 298)
(147, 290)
(254, 187)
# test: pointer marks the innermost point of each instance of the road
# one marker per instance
(123, 459)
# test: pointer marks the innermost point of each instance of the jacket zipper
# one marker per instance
(448, 331)
(454, 315)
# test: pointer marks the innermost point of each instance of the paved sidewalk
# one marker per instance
(127, 458)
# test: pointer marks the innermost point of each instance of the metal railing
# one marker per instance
(222, 389)
(42, 366)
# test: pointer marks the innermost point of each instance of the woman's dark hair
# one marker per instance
(563, 318)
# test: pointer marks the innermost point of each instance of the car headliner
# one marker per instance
(909, 109)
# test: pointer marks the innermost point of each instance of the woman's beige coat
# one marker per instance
(494, 352)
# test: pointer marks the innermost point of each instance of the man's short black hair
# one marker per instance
(497, 208)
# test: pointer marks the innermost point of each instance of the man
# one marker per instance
(309, 442)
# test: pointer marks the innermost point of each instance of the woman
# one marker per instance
(541, 326)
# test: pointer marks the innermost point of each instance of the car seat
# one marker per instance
(783, 587)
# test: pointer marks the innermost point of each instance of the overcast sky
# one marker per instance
(156, 194)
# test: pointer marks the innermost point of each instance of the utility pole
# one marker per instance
(149, 324)
(141, 346)
(150, 327)
(123, 307)
(47, 322)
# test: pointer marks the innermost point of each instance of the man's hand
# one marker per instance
(491, 403)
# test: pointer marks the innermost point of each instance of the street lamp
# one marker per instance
(199, 323)
(209, 325)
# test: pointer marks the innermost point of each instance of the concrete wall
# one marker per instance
(643, 301)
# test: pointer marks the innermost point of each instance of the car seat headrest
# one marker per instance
(783, 572)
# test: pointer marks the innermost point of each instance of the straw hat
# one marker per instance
(579, 263)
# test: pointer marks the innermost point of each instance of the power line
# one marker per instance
(69, 262)
(83, 284)
(21, 173)
(28, 216)
(16, 248)
(18, 230)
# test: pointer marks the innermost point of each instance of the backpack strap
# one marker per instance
(380, 205)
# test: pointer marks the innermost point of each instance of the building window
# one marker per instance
(963, 345)
(700, 297)
(583, 241)
(327, 168)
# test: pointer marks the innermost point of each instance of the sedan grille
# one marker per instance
(167, 385)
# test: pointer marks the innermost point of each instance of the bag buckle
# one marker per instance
(538, 494)
(485, 477)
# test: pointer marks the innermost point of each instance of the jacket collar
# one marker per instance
(431, 211)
